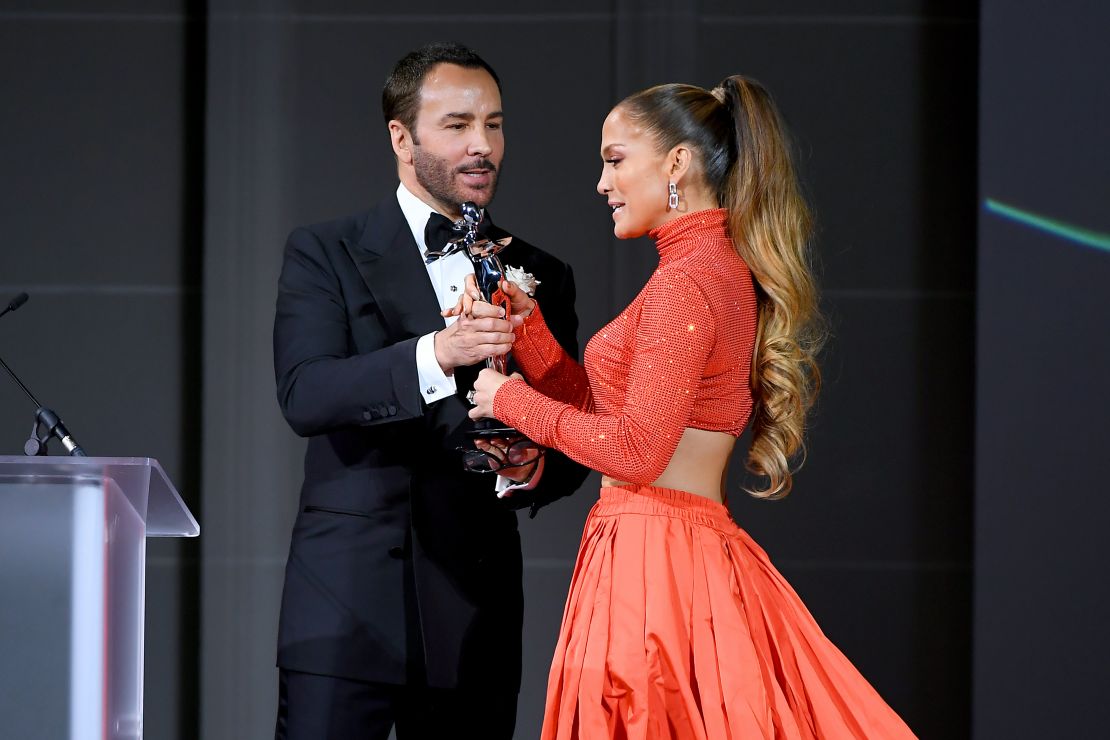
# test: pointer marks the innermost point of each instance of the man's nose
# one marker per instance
(479, 143)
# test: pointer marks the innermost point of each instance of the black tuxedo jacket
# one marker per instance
(396, 550)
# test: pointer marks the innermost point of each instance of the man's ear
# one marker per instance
(401, 139)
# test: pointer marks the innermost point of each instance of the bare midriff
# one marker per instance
(698, 465)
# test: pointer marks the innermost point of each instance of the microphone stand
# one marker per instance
(47, 418)
(44, 417)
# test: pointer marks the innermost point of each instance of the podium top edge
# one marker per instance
(55, 459)
(141, 479)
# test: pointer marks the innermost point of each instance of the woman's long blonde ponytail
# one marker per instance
(770, 225)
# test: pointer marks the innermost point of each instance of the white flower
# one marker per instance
(526, 281)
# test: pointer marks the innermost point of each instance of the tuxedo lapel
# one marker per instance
(388, 261)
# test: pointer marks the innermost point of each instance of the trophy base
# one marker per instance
(491, 429)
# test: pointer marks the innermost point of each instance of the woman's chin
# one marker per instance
(624, 232)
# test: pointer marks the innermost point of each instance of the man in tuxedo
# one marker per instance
(402, 603)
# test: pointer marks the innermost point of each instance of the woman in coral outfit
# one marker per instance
(677, 625)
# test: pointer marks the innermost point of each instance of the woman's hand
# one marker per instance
(520, 303)
(485, 388)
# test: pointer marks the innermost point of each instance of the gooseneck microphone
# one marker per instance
(43, 416)
(15, 303)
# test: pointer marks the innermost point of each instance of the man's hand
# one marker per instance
(498, 448)
(473, 337)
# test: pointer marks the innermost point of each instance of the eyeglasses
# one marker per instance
(521, 452)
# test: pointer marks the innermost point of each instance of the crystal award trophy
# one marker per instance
(488, 274)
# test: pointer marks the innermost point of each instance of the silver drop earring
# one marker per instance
(672, 196)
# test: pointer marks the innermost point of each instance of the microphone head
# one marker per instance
(18, 301)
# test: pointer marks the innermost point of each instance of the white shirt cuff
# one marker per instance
(434, 384)
(505, 485)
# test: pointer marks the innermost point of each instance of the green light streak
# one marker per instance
(1086, 237)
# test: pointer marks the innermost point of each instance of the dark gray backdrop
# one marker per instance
(1042, 651)
(101, 177)
(154, 155)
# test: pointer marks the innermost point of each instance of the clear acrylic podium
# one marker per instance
(72, 581)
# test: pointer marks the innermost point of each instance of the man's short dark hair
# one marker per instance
(401, 95)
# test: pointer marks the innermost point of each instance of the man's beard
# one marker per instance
(438, 177)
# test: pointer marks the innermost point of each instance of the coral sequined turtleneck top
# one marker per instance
(679, 356)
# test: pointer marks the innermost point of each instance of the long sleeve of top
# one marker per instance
(548, 367)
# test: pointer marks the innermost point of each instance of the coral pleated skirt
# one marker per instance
(678, 626)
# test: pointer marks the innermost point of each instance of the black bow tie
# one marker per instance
(440, 230)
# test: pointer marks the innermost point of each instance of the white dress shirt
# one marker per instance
(448, 276)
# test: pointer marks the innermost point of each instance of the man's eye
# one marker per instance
(457, 126)
(493, 126)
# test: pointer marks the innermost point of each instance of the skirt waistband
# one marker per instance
(662, 501)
